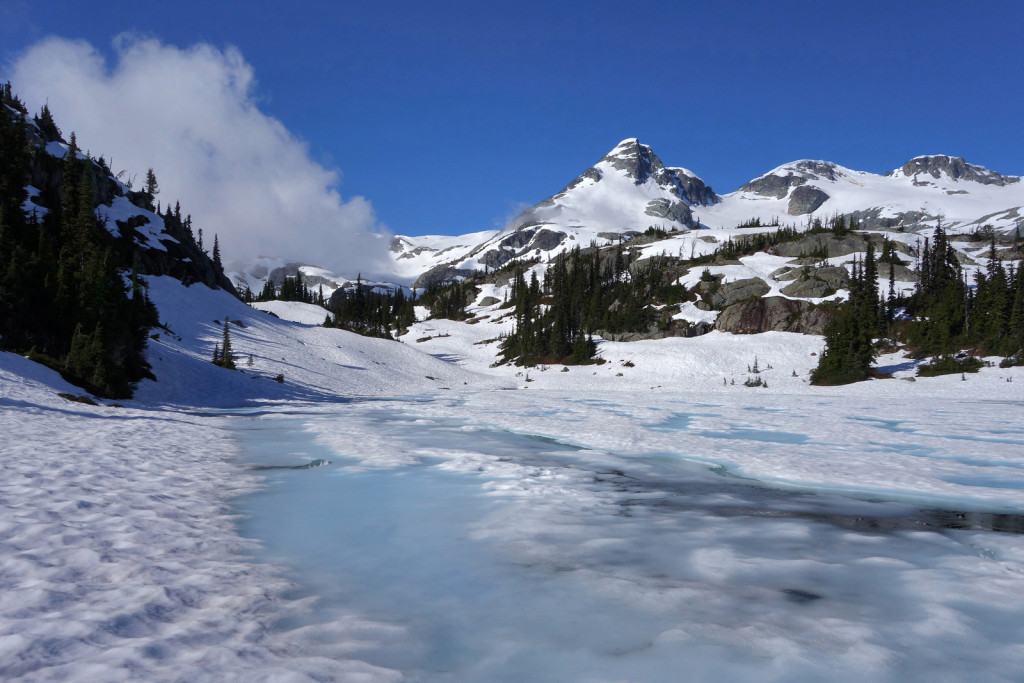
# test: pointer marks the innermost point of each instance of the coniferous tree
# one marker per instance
(227, 356)
(849, 336)
(152, 189)
(46, 124)
(216, 255)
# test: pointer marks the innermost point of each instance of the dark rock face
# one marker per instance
(673, 211)
(809, 288)
(810, 245)
(678, 328)
(520, 243)
(518, 239)
(547, 239)
(183, 260)
(639, 162)
(721, 296)
(805, 199)
(773, 314)
(771, 185)
(493, 258)
(818, 282)
(872, 219)
(900, 274)
(693, 189)
(777, 185)
(956, 168)
(590, 174)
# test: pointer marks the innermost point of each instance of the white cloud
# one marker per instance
(191, 115)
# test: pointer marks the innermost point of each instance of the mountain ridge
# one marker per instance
(630, 190)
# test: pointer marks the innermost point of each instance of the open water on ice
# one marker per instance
(473, 552)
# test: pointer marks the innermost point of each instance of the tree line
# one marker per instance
(69, 294)
(581, 295)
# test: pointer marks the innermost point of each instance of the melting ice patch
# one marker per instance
(579, 544)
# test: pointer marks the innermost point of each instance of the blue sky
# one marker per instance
(449, 116)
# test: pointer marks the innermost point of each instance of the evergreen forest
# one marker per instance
(71, 295)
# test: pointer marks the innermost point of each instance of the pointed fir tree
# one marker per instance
(152, 189)
(227, 358)
(216, 255)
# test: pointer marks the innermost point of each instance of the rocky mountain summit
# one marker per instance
(954, 168)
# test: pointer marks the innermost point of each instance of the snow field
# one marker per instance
(317, 363)
(119, 557)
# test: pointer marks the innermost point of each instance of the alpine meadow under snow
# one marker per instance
(649, 487)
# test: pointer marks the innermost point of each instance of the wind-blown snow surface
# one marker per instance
(119, 558)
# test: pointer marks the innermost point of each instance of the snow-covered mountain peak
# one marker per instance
(801, 181)
(638, 162)
(778, 181)
(945, 167)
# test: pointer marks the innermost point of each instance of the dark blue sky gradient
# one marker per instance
(448, 116)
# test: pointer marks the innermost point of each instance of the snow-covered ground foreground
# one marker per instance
(119, 557)
(625, 521)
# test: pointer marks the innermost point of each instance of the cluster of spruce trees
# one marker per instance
(944, 316)
(69, 295)
(448, 299)
(291, 289)
(580, 295)
(849, 336)
(949, 315)
(370, 312)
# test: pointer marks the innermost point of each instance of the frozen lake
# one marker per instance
(505, 537)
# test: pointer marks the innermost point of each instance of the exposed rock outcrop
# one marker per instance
(816, 283)
(955, 168)
(805, 200)
(773, 314)
(720, 295)
(678, 328)
(820, 244)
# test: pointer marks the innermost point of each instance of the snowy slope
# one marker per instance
(317, 363)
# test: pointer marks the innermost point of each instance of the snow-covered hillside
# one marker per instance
(315, 363)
